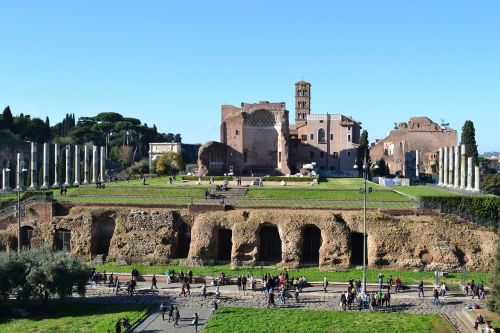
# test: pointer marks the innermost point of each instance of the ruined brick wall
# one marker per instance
(421, 134)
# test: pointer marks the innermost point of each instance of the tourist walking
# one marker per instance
(204, 290)
(325, 283)
(153, 282)
(380, 280)
(163, 309)
(215, 306)
(398, 284)
(436, 296)
(195, 322)
(176, 317)
(171, 313)
(421, 289)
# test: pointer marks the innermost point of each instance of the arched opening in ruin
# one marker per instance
(26, 235)
(357, 249)
(225, 245)
(269, 244)
(183, 240)
(103, 233)
(62, 240)
(311, 242)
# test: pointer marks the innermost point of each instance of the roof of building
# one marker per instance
(303, 82)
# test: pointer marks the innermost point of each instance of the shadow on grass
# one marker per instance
(56, 309)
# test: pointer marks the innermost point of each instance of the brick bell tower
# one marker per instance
(302, 102)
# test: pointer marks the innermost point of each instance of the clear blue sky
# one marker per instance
(173, 63)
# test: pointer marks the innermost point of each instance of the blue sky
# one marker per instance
(173, 63)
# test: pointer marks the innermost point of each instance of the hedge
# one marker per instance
(487, 207)
(207, 177)
(289, 179)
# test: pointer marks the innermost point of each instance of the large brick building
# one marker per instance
(258, 138)
(420, 137)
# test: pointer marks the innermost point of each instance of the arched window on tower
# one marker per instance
(321, 135)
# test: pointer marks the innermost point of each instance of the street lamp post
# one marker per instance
(19, 172)
(366, 165)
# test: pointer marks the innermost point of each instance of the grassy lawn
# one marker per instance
(324, 203)
(311, 273)
(232, 319)
(136, 191)
(293, 193)
(420, 190)
(68, 317)
(130, 200)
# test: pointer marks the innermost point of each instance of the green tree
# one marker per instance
(170, 163)
(7, 119)
(494, 298)
(382, 170)
(469, 139)
(177, 138)
(109, 117)
(362, 149)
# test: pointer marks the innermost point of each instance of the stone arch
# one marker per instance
(102, 232)
(26, 236)
(183, 240)
(62, 240)
(270, 245)
(225, 245)
(311, 243)
(357, 249)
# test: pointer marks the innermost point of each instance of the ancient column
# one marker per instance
(456, 178)
(416, 164)
(34, 166)
(463, 166)
(19, 185)
(67, 182)
(451, 154)
(86, 160)
(445, 165)
(57, 163)
(470, 170)
(5, 179)
(77, 165)
(95, 165)
(103, 159)
(440, 165)
(477, 179)
(45, 184)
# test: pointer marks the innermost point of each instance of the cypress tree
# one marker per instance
(47, 121)
(7, 118)
(469, 139)
(362, 149)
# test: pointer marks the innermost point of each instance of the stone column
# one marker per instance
(34, 166)
(451, 154)
(456, 178)
(67, 182)
(19, 185)
(77, 166)
(440, 170)
(103, 159)
(463, 166)
(5, 179)
(57, 164)
(477, 179)
(445, 165)
(45, 184)
(470, 170)
(86, 160)
(95, 165)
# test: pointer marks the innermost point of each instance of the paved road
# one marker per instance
(311, 298)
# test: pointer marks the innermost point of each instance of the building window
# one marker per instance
(311, 154)
(312, 136)
(304, 137)
(321, 135)
(322, 154)
(349, 154)
(63, 240)
(348, 128)
(279, 156)
(321, 121)
(237, 132)
(335, 155)
(331, 136)
(349, 138)
(244, 156)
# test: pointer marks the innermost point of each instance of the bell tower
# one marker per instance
(302, 101)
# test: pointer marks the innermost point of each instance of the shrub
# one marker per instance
(170, 163)
(490, 183)
(40, 273)
(7, 241)
(207, 177)
(139, 168)
(289, 179)
(494, 299)
(486, 207)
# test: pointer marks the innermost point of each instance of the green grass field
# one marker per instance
(309, 193)
(232, 319)
(68, 317)
(421, 190)
(311, 273)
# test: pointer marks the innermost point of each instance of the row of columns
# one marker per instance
(98, 169)
(457, 170)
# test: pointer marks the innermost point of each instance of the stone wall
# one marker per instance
(156, 234)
